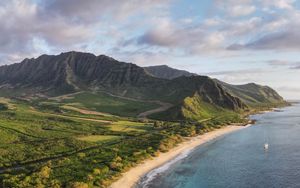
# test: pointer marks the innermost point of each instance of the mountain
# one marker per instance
(251, 94)
(166, 72)
(70, 72)
(191, 97)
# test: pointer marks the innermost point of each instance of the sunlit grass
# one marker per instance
(126, 126)
(105, 103)
(97, 138)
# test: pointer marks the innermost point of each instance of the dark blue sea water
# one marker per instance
(238, 160)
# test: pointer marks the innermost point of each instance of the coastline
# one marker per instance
(131, 177)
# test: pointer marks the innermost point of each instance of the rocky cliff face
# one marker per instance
(209, 91)
(42, 73)
(253, 94)
(72, 71)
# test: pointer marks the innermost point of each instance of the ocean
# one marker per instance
(239, 159)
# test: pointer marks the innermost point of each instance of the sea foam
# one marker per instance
(144, 182)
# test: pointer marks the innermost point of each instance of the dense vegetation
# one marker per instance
(42, 144)
(75, 141)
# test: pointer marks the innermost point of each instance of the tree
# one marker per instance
(3, 107)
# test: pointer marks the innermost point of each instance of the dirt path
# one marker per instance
(72, 117)
(88, 119)
(83, 111)
(163, 107)
(67, 96)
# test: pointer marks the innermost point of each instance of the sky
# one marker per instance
(237, 41)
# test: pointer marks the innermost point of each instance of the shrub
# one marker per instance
(3, 107)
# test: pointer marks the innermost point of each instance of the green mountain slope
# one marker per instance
(254, 95)
(251, 94)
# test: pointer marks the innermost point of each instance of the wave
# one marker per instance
(146, 180)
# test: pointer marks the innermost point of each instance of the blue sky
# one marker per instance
(237, 41)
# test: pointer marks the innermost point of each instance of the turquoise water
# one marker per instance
(238, 160)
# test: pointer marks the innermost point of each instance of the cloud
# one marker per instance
(289, 89)
(284, 63)
(239, 76)
(281, 4)
(230, 29)
(296, 66)
(165, 34)
(241, 28)
(242, 10)
(22, 25)
(95, 10)
(235, 8)
(188, 39)
(34, 27)
(275, 31)
(285, 40)
(235, 72)
(279, 63)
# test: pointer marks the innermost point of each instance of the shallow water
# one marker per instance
(238, 160)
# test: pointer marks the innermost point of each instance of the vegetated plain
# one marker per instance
(44, 144)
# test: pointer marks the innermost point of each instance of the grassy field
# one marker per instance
(127, 126)
(73, 142)
(32, 137)
(102, 102)
(97, 138)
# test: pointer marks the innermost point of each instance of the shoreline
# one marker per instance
(133, 176)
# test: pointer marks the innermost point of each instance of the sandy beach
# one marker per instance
(131, 177)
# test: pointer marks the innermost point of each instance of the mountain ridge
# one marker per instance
(249, 93)
(77, 71)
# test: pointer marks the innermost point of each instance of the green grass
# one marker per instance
(127, 126)
(97, 138)
(29, 135)
(195, 109)
(102, 102)
(74, 146)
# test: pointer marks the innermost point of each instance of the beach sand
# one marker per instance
(131, 177)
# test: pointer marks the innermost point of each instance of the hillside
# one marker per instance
(251, 94)
(191, 97)
(70, 72)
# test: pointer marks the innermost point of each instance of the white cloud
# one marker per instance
(281, 4)
(64, 25)
(241, 10)
(211, 22)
